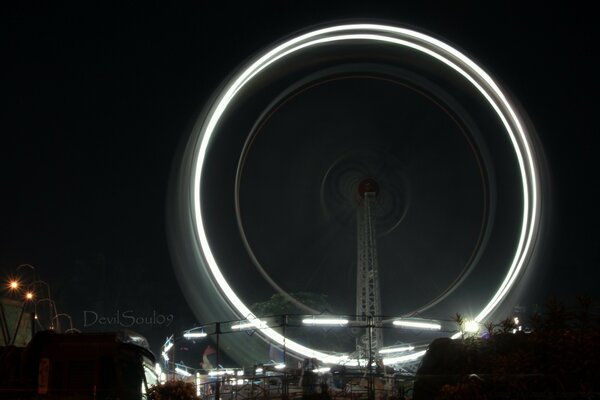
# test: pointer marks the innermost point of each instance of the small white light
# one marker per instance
(168, 346)
(325, 321)
(165, 356)
(259, 370)
(194, 335)
(249, 325)
(280, 366)
(157, 369)
(182, 372)
(417, 324)
(220, 372)
(323, 370)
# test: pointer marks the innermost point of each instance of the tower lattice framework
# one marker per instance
(368, 299)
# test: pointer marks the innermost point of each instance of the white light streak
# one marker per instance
(405, 323)
(168, 347)
(401, 37)
(194, 335)
(220, 372)
(198, 384)
(182, 372)
(165, 356)
(325, 321)
(255, 324)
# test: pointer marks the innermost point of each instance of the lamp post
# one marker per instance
(57, 324)
(14, 337)
(52, 308)
(31, 293)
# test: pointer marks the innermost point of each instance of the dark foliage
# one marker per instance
(561, 354)
(173, 390)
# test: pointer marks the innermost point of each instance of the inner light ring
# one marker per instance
(438, 50)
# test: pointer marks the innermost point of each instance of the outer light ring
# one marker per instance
(440, 51)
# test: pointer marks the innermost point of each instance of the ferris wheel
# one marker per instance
(308, 134)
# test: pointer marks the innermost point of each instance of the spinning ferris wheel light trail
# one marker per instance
(442, 54)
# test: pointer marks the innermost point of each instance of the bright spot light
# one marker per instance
(168, 347)
(323, 370)
(259, 370)
(13, 285)
(29, 295)
(280, 366)
(325, 321)
(194, 335)
(516, 320)
(472, 326)
(165, 356)
(417, 324)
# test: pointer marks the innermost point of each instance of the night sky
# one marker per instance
(96, 101)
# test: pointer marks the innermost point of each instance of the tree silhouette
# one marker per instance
(560, 355)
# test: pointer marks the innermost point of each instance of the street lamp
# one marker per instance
(30, 293)
(28, 296)
(57, 324)
(52, 308)
(194, 335)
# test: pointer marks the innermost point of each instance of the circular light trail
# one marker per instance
(442, 52)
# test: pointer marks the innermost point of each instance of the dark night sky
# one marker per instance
(96, 101)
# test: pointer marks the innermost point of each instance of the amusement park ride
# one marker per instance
(436, 71)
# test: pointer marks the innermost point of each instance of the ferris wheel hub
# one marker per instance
(368, 185)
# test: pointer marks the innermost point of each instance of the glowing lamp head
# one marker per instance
(13, 285)
(29, 296)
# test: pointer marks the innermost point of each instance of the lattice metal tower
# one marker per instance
(368, 299)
